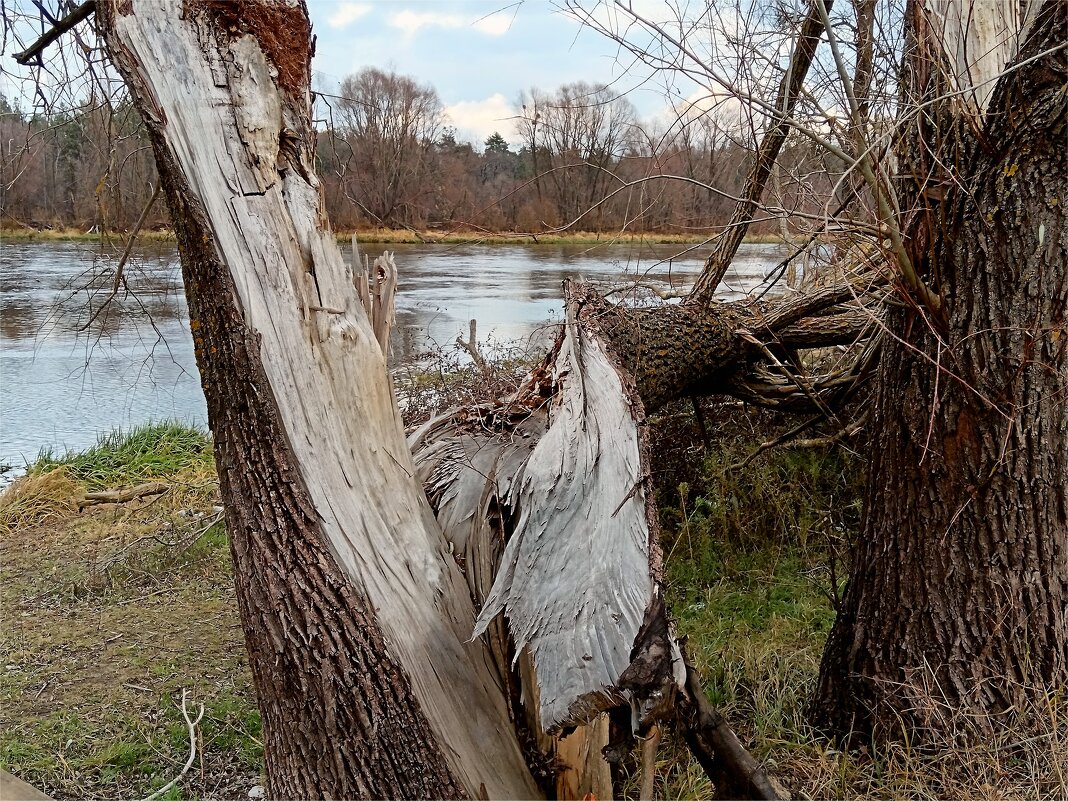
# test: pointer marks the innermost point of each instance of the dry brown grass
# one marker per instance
(37, 499)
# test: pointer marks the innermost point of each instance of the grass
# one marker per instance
(111, 612)
(142, 453)
(401, 236)
(66, 234)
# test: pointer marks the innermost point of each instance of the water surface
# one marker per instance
(67, 376)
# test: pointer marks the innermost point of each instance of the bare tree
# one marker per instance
(576, 137)
(389, 124)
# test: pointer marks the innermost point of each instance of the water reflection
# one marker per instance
(62, 382)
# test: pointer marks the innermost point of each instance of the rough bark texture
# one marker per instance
(356, 618)
(957, 597)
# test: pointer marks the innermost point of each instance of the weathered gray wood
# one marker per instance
(978, 39)
(576, 576)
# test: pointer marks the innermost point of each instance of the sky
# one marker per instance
(479, 54)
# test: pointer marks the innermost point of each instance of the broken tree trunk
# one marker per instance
(546, 503)
(357, 620)
(545, 500)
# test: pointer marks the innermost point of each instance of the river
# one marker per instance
(65, 378)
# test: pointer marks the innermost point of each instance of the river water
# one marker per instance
(66, 377)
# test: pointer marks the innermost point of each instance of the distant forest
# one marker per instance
(388, 158)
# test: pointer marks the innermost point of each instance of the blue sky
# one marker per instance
(478, 54)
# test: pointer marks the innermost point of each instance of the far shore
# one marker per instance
(394, 236)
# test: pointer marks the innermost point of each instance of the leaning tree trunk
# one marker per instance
(957, 597)
(357, 620)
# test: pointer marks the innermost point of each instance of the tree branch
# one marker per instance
(33, 52)
(789, 89)
(734, 771)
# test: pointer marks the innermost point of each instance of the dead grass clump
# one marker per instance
(1027, 759)
(36, 499)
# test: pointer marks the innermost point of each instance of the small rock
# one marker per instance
(257, 791)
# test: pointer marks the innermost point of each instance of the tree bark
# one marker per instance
(956, 603)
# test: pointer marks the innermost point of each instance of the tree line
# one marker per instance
(388, 157)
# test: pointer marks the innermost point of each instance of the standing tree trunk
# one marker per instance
(959, 589)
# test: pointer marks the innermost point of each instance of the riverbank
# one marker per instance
(113, 610)
(385, 236)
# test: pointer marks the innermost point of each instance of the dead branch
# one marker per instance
(60, 27)
(121, 266)
(731, 768)
(776, 442)
(379, 300)
(649, 746)
(123, 495)
(844, 433)
(191, 725)
(789, 90)
(471, 346)
(383, 308)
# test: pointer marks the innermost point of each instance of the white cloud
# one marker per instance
(347, 13)
(493, 25)
(478, 119)
(410, 22)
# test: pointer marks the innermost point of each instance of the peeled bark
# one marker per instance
(955, 606)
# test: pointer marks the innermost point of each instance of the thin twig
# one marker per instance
(192, 726)
(117, 280)
(33, 52)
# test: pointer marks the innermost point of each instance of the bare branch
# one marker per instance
(60, 27)
(733, 769)
(191, 725)
(717, 263)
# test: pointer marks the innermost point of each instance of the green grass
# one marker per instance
(109, 613)
(142, 453)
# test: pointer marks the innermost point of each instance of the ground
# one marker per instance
(109, 613)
